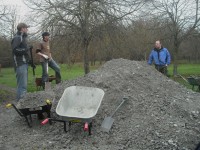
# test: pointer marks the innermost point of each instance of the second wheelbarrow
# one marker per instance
(78, 104)
(192, 80)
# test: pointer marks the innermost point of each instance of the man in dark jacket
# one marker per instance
(21, 58)
(161, 57)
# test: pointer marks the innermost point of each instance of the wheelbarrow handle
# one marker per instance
(45, 121)
(86, 127)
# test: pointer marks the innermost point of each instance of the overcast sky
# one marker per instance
(22, 8)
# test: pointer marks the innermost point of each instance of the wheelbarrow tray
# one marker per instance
(79, 102)
(24, 112)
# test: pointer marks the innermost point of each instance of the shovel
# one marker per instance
(32, 64)
(108, 121)
(47, 84)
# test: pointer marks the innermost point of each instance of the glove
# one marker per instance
(45, 56)
(38, 50)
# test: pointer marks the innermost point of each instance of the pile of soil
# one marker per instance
(35, 99)
(160, 114)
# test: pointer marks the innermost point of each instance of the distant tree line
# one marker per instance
(92, 31)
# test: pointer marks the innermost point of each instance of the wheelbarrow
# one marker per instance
(25, 112)
(192, 80)
(34, 103)
(78, 104)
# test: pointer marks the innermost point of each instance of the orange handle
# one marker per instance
(86, 126)
(45, 121)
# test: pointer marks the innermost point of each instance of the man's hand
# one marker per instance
(45, 56)
(41, 54)
(33, 66)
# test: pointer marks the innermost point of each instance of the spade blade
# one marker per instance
(107, 124)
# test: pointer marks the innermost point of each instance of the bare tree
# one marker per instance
(85, 17)
(181, 18)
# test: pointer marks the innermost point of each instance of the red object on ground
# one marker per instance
(45, 121)
(86, 126)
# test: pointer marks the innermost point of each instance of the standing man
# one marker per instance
(21, 58)
(47, 60)
(161, 57)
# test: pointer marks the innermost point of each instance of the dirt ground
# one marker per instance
(160, 114)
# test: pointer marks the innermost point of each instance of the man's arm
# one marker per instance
(17, 50)
(168, 57)
(38, 51)
(150, 58)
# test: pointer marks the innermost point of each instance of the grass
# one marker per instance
(185, 70)
(7, 75)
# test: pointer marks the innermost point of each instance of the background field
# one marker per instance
(7, 75)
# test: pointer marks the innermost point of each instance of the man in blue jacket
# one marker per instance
(161, 57)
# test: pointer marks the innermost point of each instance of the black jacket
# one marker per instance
(20, 49)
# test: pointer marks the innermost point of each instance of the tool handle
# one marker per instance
(182, 78)
(124, 99)
(32, 63)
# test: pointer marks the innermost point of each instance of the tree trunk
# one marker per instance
(86, 60)
(175, 67)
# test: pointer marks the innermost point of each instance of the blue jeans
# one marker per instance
(51, 63)
(22, 79)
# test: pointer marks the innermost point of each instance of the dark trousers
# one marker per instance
(162, 69)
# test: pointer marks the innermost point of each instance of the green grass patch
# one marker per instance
(186, 69)
(8, 77)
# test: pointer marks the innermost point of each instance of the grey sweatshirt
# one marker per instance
(20, 49)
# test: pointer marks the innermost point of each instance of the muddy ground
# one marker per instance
(160, 114)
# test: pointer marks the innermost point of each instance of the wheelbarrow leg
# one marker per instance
(48, 114)
(27, 121)
(30, 118)
(65, 126)
(70, 124)
(90, 128)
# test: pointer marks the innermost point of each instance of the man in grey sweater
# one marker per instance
(21, 59)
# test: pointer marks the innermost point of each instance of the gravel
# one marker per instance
(35, 99)
(160, 114)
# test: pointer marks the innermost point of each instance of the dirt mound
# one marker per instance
(160, 113)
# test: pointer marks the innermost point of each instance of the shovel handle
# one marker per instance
(45, 121)
(124, 99)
